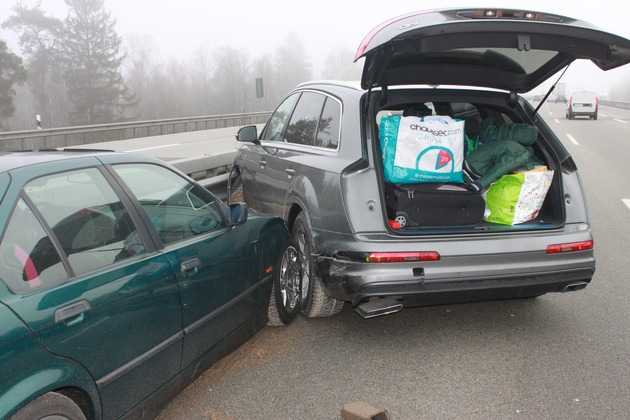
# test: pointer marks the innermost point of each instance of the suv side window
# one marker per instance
(28, 258)
(278, 121)
(86, 216)
(328, 128)
(177, 208)
(303, 124)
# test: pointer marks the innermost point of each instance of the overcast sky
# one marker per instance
(183, 26)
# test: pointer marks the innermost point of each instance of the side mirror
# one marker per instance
(248, 134)
(238, 213)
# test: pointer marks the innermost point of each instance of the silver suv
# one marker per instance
(317, 164)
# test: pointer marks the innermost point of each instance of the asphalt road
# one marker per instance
(561, 356)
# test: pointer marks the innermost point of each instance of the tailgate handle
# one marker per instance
(74, 310)
(190, 267)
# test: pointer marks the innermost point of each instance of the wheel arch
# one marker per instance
(294, 210)
(80, 398)
(70, 381)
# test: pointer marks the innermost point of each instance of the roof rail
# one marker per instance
(340, 83)
(85, 149)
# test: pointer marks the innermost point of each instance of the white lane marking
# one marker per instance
(626, 201)
(573, 140)
(163, 146)
(556, 120)
(603, 115)
(620, 121)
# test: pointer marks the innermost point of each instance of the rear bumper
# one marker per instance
(497, 269)
(357, 282)
(583, 113)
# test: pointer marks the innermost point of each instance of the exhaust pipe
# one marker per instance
(574, 286)
(378, 307)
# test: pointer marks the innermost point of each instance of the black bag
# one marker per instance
(421, 205)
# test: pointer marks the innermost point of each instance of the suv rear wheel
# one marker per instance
(316, 302)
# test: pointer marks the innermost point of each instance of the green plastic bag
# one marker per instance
(471, 144)
(517, 198)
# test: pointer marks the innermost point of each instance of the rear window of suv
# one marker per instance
(328, 128)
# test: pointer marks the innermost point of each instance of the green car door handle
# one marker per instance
(190, 267)
(73, 313)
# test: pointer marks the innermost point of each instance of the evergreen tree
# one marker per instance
(91, 51)
(12, 72)
(38, 36)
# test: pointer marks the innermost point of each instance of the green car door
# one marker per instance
(88, 280)
(216, 262)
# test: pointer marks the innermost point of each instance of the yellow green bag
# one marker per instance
(518, 197)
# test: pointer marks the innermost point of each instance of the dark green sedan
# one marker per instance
(121, 280)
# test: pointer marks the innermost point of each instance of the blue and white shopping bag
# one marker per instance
(422, 149)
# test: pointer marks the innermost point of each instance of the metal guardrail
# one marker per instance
(86, 134)
(210, 171)
(616, 104)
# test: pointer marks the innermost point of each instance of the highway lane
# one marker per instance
(172, 147)
(561, 356)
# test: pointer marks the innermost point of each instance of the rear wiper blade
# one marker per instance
(549, 92)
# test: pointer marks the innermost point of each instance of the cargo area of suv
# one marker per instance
(476, 109)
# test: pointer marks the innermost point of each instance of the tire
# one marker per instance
(316, 302)
(53, 405)
(595, 116)
(281, 311)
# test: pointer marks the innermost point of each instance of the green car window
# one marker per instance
(177, 208)
(28, 259)
(87, 217)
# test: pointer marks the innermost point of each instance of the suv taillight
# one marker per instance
(570, 247)
(396, 257)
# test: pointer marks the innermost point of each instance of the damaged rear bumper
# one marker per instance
(456, 279)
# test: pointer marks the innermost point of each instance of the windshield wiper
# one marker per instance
(534, 117)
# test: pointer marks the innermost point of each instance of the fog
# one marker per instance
(191, 39)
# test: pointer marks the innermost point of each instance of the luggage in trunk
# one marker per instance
(433, 205)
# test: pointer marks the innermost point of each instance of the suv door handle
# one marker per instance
(262, 163)
(290, 172)
(75, 310)
(190, 267)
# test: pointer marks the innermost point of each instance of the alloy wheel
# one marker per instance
(290, 278)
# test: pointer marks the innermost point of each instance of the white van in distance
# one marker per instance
(583, 104)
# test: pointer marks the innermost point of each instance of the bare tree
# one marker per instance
(263, 67)
(231, 81)
(338, 65)
(291, 64)
(140, 63)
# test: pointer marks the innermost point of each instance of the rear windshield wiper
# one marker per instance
(549, 92)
